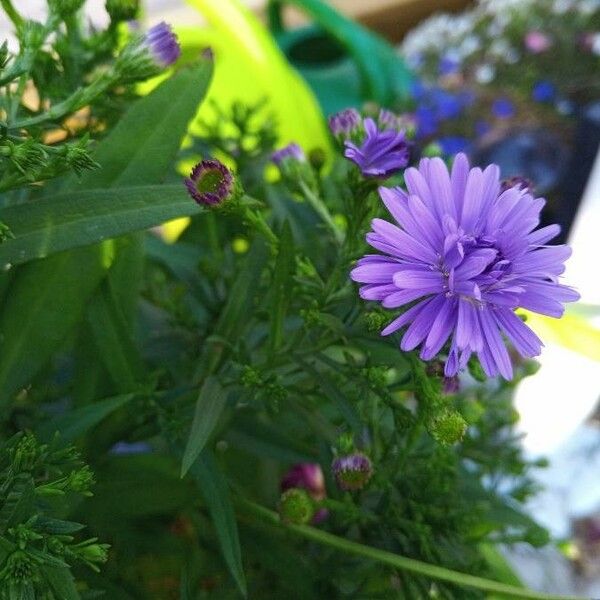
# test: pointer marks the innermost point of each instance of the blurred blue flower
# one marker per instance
(427, 122)
(453, 144)
(543, 91)
(503, 108)
(482, 127)
(448, 65)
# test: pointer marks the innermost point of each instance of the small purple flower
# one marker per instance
(543, 91)
(163, 44)
(291, 151)
(503, 108)
(210, 183)
(464, 257)
(345, 123)
(352, 472)
(309, 477)
(381, 154)
(537, 42)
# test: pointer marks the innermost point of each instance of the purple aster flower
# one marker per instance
(503, 108)
(291, 151)
(543, 91)
(352, 472)
(464, 257)
(210, 183)
(381, 154)
(345, 123)
(163, 44)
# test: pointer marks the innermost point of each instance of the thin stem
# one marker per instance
(257, 220)
(13, 15)
(399, 562)
(322, 210)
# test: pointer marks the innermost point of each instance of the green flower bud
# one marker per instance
(296, 507)
(25, 454)
(90, 551)
(447, 427)
(5, 233)
(28, 157)
(19, 567)
(65, 8)
(375, 320)
(81, 480)
(122, 10)
(78, 157)
(433, 149)
(250, 378)
(32, 35)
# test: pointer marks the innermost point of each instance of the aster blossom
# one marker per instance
(382, 152)
(463, 257)
(162, 44)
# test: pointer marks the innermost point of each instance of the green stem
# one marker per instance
(322, 210)
(13, 15)
(399, 562)
(257, 220)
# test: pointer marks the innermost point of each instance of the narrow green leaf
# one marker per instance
(44, 303)
(61, 582)
(117, 349)
(76, 422)
(281, 285)
(215, 491)
(78, 218)
(209, 406)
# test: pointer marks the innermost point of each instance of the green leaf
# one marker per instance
(46, 299)
(76, 422)
(117, 349)
(215, 491)
(45, 302)
(281, 284)
(209, 406)
(61, 582)
(78, 218)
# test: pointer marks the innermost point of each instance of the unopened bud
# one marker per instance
(296, 507)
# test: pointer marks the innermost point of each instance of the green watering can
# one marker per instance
(343, 63)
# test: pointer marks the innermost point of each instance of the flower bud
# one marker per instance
(291, 152)
(296, 507)
(447, 427)
(64, 8)
(78, 157)
(353, 471)
(345, 124)
(307, 476)
(5, 233)
(122, 10)
(211, 184)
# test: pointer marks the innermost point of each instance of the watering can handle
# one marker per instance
(364, 47)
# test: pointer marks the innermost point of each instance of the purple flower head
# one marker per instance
(291, 151)
(537, 42)
(163, 44)
(543, 91)
(381, 154)
(345, 123)
(210, 183)
(462, 258)
(309, 477)
(352, 472)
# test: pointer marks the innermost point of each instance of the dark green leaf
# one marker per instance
(61, 582)
(76, 422)
(78, 218)
(209, 406)
(215, 491)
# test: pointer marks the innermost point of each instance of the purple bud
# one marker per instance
(519, 182)
(291, 151)
(352, 472)
(308, 476)
(163, 44)
(345, 123)
(451, 385)
(210, 183)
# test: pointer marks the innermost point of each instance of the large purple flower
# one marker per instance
(381, 154)
(464, 257)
